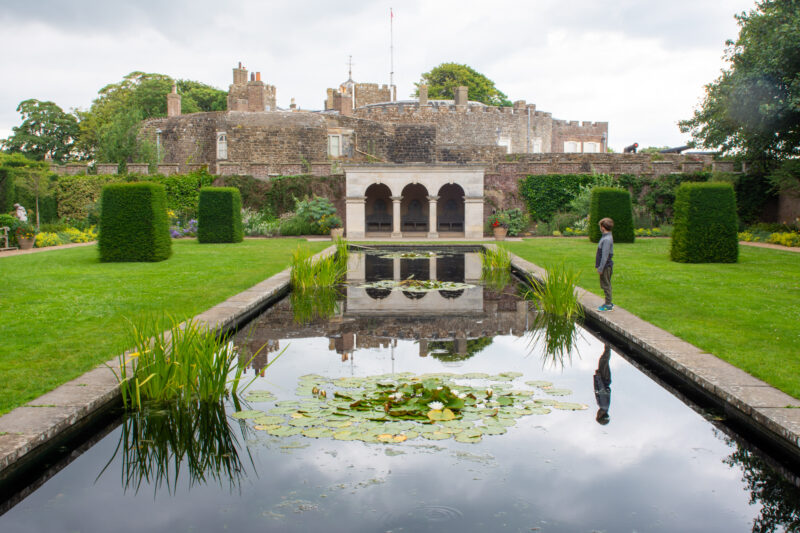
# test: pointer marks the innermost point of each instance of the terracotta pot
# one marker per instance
(26, 244)
(500, 233)
(337, 233)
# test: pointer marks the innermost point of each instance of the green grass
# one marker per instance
(747, 313)
(63, 312)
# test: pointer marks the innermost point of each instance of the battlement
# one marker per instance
(253, 95)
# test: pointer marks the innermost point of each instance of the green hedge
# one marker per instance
(76, 195)
(134, 224)
(704, 228)
(547, 193)
(183, 190)
(220, 215)
(615, 204)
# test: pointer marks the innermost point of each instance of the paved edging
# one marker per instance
(39, 422)
(771, 410)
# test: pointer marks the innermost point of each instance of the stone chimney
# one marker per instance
(173, 102)
(461, 96)
(292, 105)
(239, 75)
(423, 95)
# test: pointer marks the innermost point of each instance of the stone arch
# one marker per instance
(450, 207)
(378, 207)
(414, 208)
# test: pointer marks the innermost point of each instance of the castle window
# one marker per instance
(334, 145)
(222, 145)
(571, 147)
(536, 145)
(506, 142)
(591, 147)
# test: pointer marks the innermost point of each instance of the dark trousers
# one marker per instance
(605, 282)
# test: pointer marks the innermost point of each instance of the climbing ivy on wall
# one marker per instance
(279, 193)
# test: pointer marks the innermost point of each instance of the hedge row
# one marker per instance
(219, 215)
(134, 224)
(616, 205)
(704, 228)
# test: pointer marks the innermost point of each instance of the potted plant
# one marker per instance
(334, 224)
(26, 236)
(499, 223)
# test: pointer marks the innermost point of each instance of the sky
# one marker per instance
(640, 65)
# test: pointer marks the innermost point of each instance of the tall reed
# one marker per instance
(177, 363)
(496, 267)
(556, 294)
(325, 272)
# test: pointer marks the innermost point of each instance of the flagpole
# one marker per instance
(391, 50)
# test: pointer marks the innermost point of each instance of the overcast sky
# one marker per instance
(639, 64)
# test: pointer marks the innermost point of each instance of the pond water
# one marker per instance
(626, 455)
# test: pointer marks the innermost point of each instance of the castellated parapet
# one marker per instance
(251, 96)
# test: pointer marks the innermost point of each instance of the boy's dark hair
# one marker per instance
(607, 223)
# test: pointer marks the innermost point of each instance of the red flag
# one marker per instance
(391, 14)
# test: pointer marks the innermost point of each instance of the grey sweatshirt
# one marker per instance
(605, 252)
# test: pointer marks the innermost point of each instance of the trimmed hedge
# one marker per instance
(547, 193)
(77, 194)
(219, 215)
(615, 204)
(134, 224)
(704, 228)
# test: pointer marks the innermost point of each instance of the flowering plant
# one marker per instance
(499, 220)
(328, 222)
(25, 231)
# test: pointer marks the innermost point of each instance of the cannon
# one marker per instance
(676, 150)
(631, 149)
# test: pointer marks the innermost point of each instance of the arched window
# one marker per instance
(222, 145)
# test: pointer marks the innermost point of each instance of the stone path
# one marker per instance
(11, 253)
(772, 246)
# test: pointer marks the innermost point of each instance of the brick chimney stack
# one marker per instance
(423, 95)
(461, 96)
(173, 102)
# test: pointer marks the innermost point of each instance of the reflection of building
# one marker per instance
(261, 360)
(457, 268)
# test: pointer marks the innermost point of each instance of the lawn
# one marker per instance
(747, 313)
(64, 312)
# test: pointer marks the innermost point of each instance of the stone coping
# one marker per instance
(28, 428)
(763, 408)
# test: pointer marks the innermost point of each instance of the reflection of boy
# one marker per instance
(604, 261)
(602, 386)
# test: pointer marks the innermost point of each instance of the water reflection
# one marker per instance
(554, 337)
(315, 303)
(159, 447)
(779, 499)
(602, 386)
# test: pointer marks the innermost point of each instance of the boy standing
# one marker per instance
(603, 261)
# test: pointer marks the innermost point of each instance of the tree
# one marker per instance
(18, 171)
(753, 108)
(46, 131)
(443, 80)
(110, 128)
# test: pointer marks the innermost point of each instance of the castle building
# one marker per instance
(442, 144)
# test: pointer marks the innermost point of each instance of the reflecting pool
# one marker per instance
(633, 457)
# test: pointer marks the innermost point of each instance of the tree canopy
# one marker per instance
(753, 108)
(443, 80)
(46, 130)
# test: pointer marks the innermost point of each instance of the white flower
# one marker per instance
(454, 391)
(397, 396)
(462, 395)
(437, 406)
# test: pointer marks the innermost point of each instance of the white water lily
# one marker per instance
(454, 391)
(397, 396)
(462, 395)
(436, 406)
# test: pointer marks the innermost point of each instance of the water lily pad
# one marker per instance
(266, 427)
(346, 434)
(475, 375)
(469, 436)
(512, 375)
(318, 432)
(539, 384)
(337, 423)
(544, 401)
(260, 396)
(540, 410)
(304, 422)
(438, 415)
(436, 435)
(244, 415)
(494, 429)
(558, 392)
(284, 431)
(567, 406)
(282, 411)
(269, 420)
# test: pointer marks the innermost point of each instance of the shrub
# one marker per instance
(313, 211)
(296, 226)
(219, 215)
(45, 239)
(614, 204)
(705, 224)
(785, 239)
(546, 194)
(134, 223)
(77, 195)
(11, 222)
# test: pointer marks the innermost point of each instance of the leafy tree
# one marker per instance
(110, 128)
(443, 80)
(753, 108)
(20, 172)
(653, 149)
(46, 130)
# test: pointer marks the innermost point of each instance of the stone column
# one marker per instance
(396, 233)
(432, 217)
(432, 268)
(473, 217)
(396, 269)
(355, 216)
